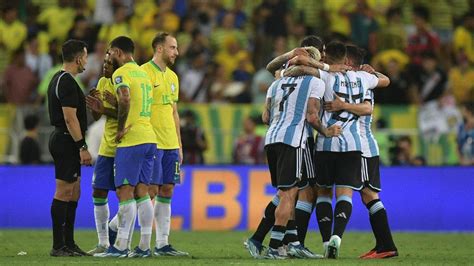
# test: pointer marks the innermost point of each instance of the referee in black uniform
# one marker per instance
(67, 113)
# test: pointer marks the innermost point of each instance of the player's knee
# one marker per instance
(306, 194)
(153, 191)
(141, 190)
(368, 195)
(166, 191)
(125, 192)
(100, 193)
(343, 191)
(324, 192)
(64, 193)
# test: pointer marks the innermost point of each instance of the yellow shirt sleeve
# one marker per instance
(121, 79)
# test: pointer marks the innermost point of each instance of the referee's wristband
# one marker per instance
(81, 143)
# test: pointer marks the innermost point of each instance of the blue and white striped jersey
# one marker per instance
(288, 105)
(352, 87)
(370, 148)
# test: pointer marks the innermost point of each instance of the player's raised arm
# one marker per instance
(278, 61)
(383, 81)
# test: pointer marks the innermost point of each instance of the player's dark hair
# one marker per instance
(123, 43)
(72, 48)
(421, 12)
(313, 40)
(160, 38)
(31, 122)
(355, 54)
(336, 50)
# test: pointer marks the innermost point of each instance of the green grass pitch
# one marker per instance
(224, 248)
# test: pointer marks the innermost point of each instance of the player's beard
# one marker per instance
(115, 63)
(168, 61)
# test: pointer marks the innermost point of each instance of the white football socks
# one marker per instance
(163, 220)
(101, 216)
(145, 219)
(126, 217)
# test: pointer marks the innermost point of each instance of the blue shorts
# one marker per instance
(134, 164)
(166, 169)
(103, 177)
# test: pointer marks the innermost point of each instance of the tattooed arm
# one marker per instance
(123, 110)
(312, 116)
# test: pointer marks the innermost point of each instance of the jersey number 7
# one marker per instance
(291, 88)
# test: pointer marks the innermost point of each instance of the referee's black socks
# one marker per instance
(380, 226)
(267, 221)
(58, 216)
(69, 224)
(342, 213)
(324, 217)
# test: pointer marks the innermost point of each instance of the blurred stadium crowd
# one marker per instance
(426, 47)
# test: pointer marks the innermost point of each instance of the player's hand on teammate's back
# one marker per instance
(339, 68)
(334, 131)
(121, 133)
(86, 158)
(94, 104)
(334, 106)
(299, 60)
(110, 99)
(367, 68)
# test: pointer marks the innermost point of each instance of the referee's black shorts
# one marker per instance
(371, 173)
(67, 162)
(285, 163)
(342, 169)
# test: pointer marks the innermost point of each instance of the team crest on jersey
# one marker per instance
(118, 79)
(173, 88)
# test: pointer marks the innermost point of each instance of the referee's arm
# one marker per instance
(72, 123)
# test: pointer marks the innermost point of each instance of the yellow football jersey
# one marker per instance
(165, 94)
(141, 97)
(107, 143)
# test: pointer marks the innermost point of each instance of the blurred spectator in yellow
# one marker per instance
(338, 13)
(465, 137)
(37, 61)
(311, 13)
(30, 151)
(364, 27)
(119, 27)
(461, 79)
(424, 39)
(232, 55)
(393, 35)
(19, 81)
(240, 18)
(463, 41)
(13, 32)
(58, 19)
(248, 148)
(193, 138)
(170, 19)
(221, 35)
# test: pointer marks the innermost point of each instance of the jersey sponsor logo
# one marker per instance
(118, 79)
